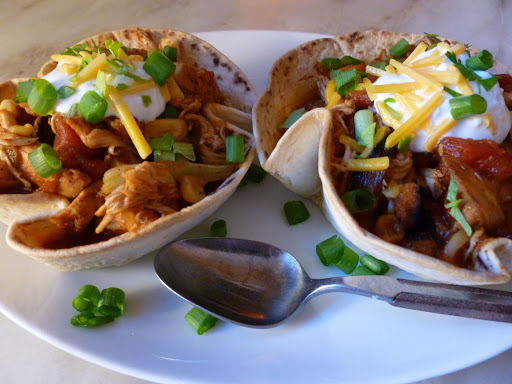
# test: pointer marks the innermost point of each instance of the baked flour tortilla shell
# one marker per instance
(292, 84)
(236, 92)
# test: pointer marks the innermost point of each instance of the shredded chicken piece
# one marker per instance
(76, 216)
(148, 184)
(198, 82)
(92, 136)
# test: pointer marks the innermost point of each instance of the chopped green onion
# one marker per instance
(43, 97)
(164, 142)
(121, 86)
(455, 211)
(364, 127)
(331, 63)
(171, 53)
(400, 48)
(358, 200)
(330, 251)
(101, 82)
(345, 81)
(255, 173)
(159, 67)
(89, 319)
(452, 92)
(200, 321)
(488, 83)
(75, 50)
(235, 149)
(292, 118)
(219, 228)
(72, 111)
(335, 63)
(87, 298)
(295, 212)
(111, 302)
(348, 261)
(92, 107)
(45, 160)
(146, 100)
(433, 36)
(482, 61)
(379, 64)
(23, 90)
(404, 144)
(97, 308)
(65, 91)
(170, 112)
(467, 73)
(113, 46)
(465, 106)
(362, 271)
(397, 115)
(184, 149)
(137, 79)
(377, 266)
(159, 154)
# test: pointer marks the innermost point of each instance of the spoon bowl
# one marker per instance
(259, 285)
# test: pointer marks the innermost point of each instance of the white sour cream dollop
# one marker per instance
(133, 101)
(494, 124)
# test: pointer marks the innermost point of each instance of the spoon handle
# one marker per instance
(472, 302)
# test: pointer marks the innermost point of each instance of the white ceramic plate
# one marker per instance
(335, 338)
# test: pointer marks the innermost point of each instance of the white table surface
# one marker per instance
(31, 30)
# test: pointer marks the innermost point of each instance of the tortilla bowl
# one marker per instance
(293, 84)
(237, 97)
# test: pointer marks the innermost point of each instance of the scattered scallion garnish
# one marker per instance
(159, 67)
(377, 266)
(65, 91)
(45, 160)
(400, 48)
(295, 212)
(255, 173)
(361, 270)
(200, 321)
(97, 308)
(335, 63)
(358, 200)
(330, 250)
(113, 46)
(364, 127)
(171, 53)
(146, 100)
(452, 92)
(465, 106)
(396, 114)
(23, 90)
(482, 61)
(292, 118)
(235, 149)
(348, 261)
(403, 145)
(454, 203)
(42, 97)
(345, 81)
(170, 112)
(92, 107)
(219, 228)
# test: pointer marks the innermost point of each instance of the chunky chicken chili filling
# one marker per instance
(127, 136)
(420, 150)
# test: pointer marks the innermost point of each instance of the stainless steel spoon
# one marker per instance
(259, 285)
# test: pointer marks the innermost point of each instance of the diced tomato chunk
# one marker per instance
(484, 156)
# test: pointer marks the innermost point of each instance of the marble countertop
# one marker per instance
(31, 30)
